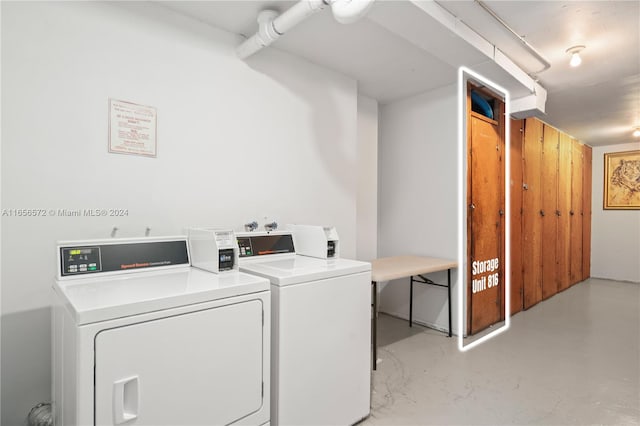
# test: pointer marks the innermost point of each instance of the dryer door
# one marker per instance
(203, 367)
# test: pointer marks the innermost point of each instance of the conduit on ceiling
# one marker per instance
(546, 64)
(271, 25)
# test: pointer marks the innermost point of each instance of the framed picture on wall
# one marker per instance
(132, 128)
(622, 180)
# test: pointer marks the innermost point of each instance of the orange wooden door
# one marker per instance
(531, 205)
(586, 209)
(576, 213)
(486, 225)
(517, 133)
(564, 207)
(548, 210)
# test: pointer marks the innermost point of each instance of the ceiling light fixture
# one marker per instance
(575, 55)
(636, 132)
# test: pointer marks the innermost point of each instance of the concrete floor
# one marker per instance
(571, 360)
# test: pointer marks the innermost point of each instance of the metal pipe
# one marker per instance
(530, 48)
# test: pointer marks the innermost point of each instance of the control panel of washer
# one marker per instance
(83, 259)
(261, 245)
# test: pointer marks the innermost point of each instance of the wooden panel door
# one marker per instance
(564, 207)
(531, 205)
(575, 272)
(517, 134)
(486, 225)
(586, 210)
(548, 210)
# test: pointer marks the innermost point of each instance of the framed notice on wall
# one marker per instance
(622, 180)
(132, 128)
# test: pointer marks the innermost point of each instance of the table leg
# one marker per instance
(449, 297)
(411, 302)
(374, 324)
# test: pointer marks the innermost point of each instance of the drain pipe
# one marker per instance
(530, 48)
(271, 25)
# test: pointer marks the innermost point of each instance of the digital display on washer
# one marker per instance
(225, 259)
(80, 260)
(331, 248)
(265, 244)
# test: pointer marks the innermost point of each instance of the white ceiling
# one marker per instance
(397, 51)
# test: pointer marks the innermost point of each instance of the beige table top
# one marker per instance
(391, 268)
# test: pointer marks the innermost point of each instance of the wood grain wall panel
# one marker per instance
(575, 213)
(516, 139)
(532, 203)
(549, 218)
(500, 109)
(564, 207)
(486, 229)
(586, 211)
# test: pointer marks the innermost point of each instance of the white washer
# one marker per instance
(320, 331)
(140, 337)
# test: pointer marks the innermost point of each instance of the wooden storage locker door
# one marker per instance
(517, 133)
(586, 209)
(486, 223)
(576, 212)
(564, 207)
(531, 205)
(549, 218)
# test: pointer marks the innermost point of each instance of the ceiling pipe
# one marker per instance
(349, 11)
(271, 25)
(530, 48)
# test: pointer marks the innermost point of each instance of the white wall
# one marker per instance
(418, 197)
(367, 202)
(275, 137)
(615, 234)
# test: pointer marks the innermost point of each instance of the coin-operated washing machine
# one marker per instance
(142, 338)
(213, 250)
(320, 331)
(316, 241)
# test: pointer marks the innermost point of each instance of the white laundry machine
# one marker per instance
(142, 338)
(316, 241)
(320, 331)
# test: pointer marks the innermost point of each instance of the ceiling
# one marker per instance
(398, 50)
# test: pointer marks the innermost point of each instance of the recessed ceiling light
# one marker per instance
(636, 132)
(574, 51)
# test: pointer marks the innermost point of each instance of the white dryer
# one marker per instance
(320, 329)
(141, 338)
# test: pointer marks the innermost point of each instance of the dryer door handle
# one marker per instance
(125, 400)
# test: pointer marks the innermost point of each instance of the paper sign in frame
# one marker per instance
(141, 123)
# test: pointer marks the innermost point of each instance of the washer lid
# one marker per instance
(300, 269)
(99, 299)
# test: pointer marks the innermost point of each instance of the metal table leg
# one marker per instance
(449, 297)
(411, 302)
(374, 324)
